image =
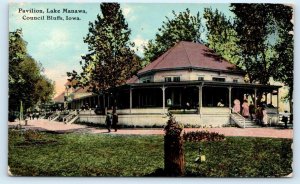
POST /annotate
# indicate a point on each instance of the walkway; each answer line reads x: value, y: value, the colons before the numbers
x: 60, y: 127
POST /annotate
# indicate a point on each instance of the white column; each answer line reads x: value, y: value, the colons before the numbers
x: 163, y: 96
x: 229, y: 95
x: 277, y: 101
x: 200, y: 98
x: 130, y: 99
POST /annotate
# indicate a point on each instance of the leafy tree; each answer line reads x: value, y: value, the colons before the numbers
x: 265, y: 42
x: 17, y: 52
x: 183, y: 27
x: 221, y: 35
x: 285, y: 49
x: 26, y: 83
x: 254, y: 26
x: 111, y: 60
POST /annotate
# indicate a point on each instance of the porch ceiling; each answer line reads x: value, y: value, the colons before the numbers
x: 204, y: 83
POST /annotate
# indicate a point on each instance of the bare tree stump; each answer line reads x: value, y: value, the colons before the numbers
x: 173, y: 149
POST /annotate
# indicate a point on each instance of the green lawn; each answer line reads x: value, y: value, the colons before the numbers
x: 74, y: 154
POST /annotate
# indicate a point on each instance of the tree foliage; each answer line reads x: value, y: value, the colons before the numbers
x: 110, y: 60
x: 285, y: 46
x: 257, y: 31
x: 183, y: 27
x: 221, y: 35
x: 284, y: 49
x: 26, y: 82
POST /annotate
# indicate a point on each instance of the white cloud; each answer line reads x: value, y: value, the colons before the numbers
x: 54, y: 42
x: 57, y: 39
x: 139, y: 44
x: 128, y: 13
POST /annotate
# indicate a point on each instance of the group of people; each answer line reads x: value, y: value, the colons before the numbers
x: 111, y: 121
x: 85, y: 107
x: 32, y: 115
x: 260, y: 112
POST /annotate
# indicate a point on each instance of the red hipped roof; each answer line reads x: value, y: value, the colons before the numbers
x: 60, y: 98
x: 189, y: 55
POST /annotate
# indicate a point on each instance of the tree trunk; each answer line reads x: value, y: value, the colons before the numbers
x: 291, y: 109
x: 174, y: 156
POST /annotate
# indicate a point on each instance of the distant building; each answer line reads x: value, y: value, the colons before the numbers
x: 59, y: 101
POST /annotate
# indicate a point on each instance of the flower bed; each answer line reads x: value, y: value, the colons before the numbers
x: 199, y: 136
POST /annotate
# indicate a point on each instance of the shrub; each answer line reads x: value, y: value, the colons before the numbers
x: 13, y: 115
x: 173, y: 128
x: 198, y: 136
x: 32, y: 135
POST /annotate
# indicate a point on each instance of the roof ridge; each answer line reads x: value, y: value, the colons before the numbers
x: 187, y: 54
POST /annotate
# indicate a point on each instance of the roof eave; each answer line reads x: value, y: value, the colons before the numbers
x: 189, y: 68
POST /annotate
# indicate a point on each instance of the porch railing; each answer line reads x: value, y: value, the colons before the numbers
x: 237, y: 120
x: 54, y: 116
x: 69, y: 117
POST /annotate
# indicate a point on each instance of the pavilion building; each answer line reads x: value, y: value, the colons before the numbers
x: 188, y: 80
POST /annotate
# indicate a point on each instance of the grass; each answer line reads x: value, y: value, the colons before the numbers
x: 44, y: 154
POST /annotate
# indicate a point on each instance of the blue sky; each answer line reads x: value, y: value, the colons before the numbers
x: 58, y: 44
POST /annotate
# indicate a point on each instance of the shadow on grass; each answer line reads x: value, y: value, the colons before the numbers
x: 63, y: 131
x: 36, y: 143
x: 160, y: 172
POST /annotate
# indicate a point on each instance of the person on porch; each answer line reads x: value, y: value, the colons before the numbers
x: 236, y: 106
x: 169, y: 102
x: 251, y: 110
x: 220, y: 103
x: 265, y: 118
x: 245, y: 107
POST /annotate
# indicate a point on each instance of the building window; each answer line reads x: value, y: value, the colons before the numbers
x: 218, y: 79
x: 168, y: 79
x: 235, y: 80
x: 176, y: 79
x: 200, y: 78
x: 172, y: 79
x: 147, y: 80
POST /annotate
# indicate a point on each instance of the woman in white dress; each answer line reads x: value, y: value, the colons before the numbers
x: 236, y: 106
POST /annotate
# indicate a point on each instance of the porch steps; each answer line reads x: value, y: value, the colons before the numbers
x: 242, y: 122
x: 72, y: 120
x: 55, y: 118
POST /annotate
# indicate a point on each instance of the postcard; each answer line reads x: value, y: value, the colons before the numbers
x: 151, y: 89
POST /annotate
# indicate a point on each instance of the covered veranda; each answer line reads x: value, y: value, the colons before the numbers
x: 193, y: 102
x: 193, y: 97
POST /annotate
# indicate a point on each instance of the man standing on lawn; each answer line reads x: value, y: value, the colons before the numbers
x: 115, y: 121
x: 108, y: 121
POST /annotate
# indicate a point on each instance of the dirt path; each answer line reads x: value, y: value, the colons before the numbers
x: 60, y: 127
